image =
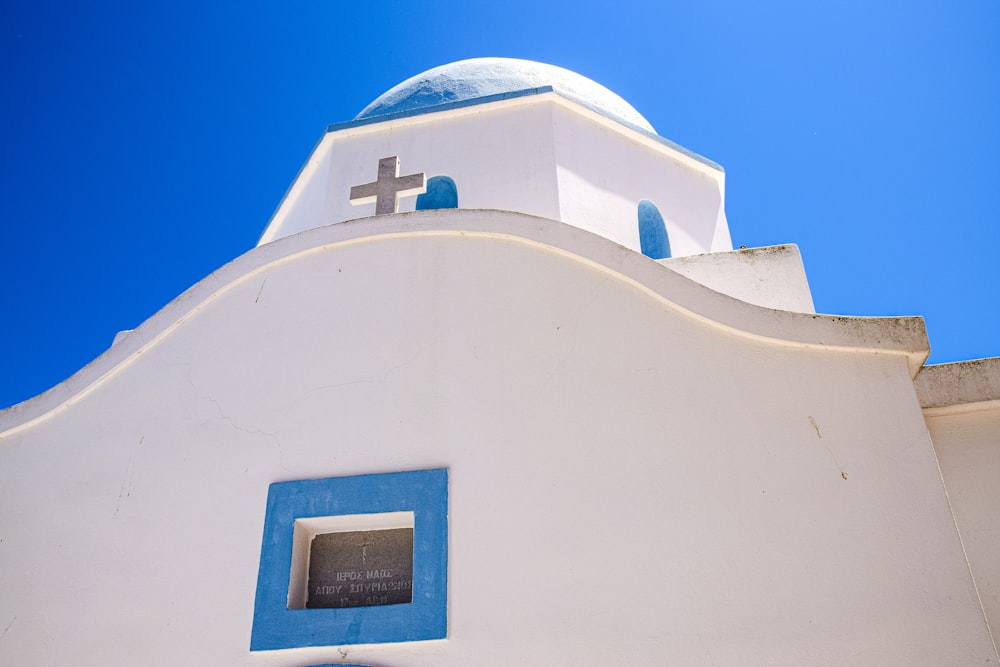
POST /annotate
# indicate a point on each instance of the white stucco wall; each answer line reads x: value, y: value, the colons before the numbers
x: 771, y: 277
x: 604, y: 173
x: 539, y: 154
x: 962, y: 408
x: 634, y: 479
x: 968, y: 447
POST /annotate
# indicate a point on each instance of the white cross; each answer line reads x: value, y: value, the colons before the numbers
x: 388, y: 187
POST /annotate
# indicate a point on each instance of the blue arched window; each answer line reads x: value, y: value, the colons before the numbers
x: 652, y: 231
x: 441, y: 193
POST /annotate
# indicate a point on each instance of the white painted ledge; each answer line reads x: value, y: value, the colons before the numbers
x: 960, y: 386
x: 772, y: 277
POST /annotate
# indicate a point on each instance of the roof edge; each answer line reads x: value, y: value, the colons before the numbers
x: 959, y: 386
x: 893, y: 335
x: 527, y: 92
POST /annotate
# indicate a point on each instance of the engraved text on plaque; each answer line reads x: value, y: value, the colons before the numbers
x: 361, y: 568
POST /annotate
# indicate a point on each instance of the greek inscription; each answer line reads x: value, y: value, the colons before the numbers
x: 386, y: 586
x: 361, y: 568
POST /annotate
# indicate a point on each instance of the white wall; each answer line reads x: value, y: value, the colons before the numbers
x: 962, y: 408
x: 603, y: 175
x: 771, y: 277
x: 541, y: 154
x: 968, y: 447
x: 631, y: 481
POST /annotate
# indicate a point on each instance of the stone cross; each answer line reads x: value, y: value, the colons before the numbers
x: 388, y: 187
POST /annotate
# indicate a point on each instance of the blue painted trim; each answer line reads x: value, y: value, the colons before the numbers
x: 653, y: 237
x: 441, y: 193
x: 424, y: 492
x: 448, y: 106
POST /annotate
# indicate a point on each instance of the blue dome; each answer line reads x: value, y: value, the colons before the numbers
x: 479, y: 77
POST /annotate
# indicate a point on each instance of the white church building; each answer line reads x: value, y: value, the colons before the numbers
x: 494, y: 388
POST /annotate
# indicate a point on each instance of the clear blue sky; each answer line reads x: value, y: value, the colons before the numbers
x: 147, y: 144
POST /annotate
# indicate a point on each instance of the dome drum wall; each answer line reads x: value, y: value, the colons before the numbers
x: 539, y: 154
x: 603, y: 176
x: 499, y: 158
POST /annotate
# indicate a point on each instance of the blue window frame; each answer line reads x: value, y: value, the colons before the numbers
x: 423, y: 492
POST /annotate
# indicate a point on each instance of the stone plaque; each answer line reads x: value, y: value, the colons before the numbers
x: 361, y: 569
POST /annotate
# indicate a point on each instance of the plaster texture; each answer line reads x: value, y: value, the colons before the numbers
x: 771, y: 277
x: 642, y: 470
x: 541, y: 154
x: 965, y: 385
